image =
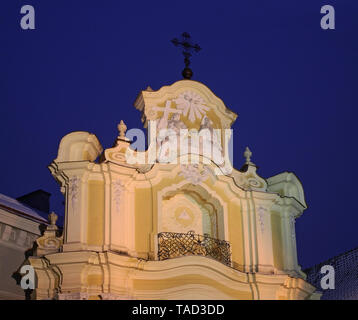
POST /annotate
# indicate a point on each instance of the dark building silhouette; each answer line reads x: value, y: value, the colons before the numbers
x: 20, y: 226
x: 38, y: 199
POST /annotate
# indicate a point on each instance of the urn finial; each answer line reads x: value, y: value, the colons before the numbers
x: 122, y: 128
x: 52, y: 218
x: 247, y: 155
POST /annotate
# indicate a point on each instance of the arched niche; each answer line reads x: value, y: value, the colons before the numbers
x: 187, y: 207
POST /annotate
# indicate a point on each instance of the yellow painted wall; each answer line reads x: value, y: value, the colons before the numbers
x: 236, y: 237
x: 277, y: 240
x: 190, y: 280
x: 143, y: 219
x: 95, y: 220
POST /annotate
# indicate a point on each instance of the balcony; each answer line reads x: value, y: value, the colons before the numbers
x: 173, y: 245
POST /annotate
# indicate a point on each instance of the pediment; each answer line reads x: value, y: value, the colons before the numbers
x: 190, y: 99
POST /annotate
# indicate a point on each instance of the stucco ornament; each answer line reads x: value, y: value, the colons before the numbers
x: 261, y: 215
x: 184, y: 215
x: 118, y: 188
x: 192, y: 105
x: 214, y: 139
x: 193, y: 173
x: 181, y: 221
x: 292, y: 227
x: 151, y: 114
x: 74, y: 190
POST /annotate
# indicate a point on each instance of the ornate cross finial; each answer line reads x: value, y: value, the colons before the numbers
x: 188, y: 49
x: 122, y: 128
x: 247, y: 155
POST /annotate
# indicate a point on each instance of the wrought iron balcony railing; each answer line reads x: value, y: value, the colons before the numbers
x: 172, y: 245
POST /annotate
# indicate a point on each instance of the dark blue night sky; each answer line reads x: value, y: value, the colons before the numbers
x: 293, y: 85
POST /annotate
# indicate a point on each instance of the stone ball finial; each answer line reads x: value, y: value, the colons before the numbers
x: 187, y: 73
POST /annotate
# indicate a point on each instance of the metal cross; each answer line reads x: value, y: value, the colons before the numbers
x: 188, y: 48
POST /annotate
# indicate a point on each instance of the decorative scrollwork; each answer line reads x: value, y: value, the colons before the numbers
x: 74, y: 187
x: 193, y: 173
x: 172, y: 245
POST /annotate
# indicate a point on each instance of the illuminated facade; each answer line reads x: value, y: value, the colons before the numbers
x: 185, y: 230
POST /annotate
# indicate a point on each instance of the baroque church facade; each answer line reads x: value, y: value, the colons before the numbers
x: 193, y: 228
